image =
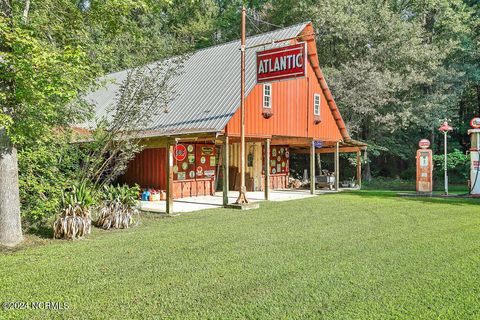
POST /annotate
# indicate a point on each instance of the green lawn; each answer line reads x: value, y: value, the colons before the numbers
x: 364, y: 255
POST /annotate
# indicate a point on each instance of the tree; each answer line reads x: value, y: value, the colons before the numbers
x: 10, y: 224
x: 38, y: 84
x: 396, y: 68
x: 54, y: 61
x: 146, y: 90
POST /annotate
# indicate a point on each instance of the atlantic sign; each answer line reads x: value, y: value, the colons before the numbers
x: 281, y: 63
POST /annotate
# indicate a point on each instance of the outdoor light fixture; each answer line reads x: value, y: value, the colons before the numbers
x: 445, y: 128
x: 267, y: 113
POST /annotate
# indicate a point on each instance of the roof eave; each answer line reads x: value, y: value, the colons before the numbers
x: 309, y: 37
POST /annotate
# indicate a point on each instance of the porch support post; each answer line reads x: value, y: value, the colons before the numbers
x: 337, y: 165
x: 359, y: 168
x: 169, y: 165
x: 312, y: 167
x: 266, y: 169
x: 225, y: 165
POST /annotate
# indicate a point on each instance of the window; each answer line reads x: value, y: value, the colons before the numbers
x: 267, y: 101
x: 267, y: 95
x: 316, y: 104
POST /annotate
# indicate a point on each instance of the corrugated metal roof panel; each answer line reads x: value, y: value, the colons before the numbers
x: 207, y: 90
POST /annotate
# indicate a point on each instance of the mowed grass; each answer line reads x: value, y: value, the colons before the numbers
x: 364, y: 255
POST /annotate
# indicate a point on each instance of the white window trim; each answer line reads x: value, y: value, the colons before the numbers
x: 269, y: 85
x: 315, y: 95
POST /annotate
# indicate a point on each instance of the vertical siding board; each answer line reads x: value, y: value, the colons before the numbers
x: 147, y: 169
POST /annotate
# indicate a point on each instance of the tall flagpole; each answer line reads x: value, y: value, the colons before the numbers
x: 242, y: 197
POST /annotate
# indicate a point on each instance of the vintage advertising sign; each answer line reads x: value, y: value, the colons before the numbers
x: 424, y: 144
x: 205, y: 161
x: 281, y: 63
x: 184, y: 155
x: 475, y: 123
x: 180, y: 152
x: 279, y: 159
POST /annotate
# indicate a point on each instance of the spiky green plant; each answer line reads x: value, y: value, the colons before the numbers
x: 118, y: 207
x: 75, y: 220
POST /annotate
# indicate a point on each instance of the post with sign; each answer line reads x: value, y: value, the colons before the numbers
x: 474, y: 183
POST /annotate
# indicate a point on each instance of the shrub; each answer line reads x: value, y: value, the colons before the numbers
x: 75, y: 217
x: 118, y: 207
x: 458, y: 165
x: 46, y: 169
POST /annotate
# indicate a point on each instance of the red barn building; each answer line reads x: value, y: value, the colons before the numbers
x: 202, y: 125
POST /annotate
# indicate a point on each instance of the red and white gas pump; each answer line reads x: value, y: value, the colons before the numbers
x: 424, y: 167
x: 474, y: 133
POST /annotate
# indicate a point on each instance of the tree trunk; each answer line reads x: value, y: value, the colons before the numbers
x: 367, y: 174
x: 10, y: 223
x: 478, y: 100
x: 26, y: 9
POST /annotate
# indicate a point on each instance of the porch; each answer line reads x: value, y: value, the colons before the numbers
x: 216, y: 201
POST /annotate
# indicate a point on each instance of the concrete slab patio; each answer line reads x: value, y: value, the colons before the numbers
x: 209, y: 202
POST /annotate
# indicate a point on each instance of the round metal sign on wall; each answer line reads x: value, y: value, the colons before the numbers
x: 424, y: 144
x: 475, y: 123
x: 180, y: 152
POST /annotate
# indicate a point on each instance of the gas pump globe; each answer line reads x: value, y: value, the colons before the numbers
x: 424, y: 167
x: 474, y: 183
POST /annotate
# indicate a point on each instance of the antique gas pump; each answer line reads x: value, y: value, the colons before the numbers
x: 474, y: 133
x: 424, y: 167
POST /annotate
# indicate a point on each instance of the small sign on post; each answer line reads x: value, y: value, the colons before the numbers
x: 318, y: 144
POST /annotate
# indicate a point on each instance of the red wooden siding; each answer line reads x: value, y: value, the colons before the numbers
x: 193, y: 188
x: 292, y: 107
x: 327, y: 129
x: 147, y: 169
x: 278, y: 181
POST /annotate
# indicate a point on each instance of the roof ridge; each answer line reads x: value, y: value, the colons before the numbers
x: 191, y: 53
x: 252, y: 37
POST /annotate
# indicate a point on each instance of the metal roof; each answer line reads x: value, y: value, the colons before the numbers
x: 207, y: 92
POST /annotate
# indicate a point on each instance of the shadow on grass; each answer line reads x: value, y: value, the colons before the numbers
x: 383, y: 194
x: 30, y: 240
x: 43, y: 231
